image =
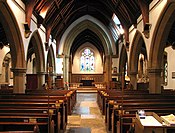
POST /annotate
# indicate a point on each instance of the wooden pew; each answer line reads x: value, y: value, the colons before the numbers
x: 104, y: 96
x: 117, y: 96
x: 33, y: 109
x: 30, y: 102
x: 58, y: 104
x: 26, y: 123
x: 162, y: 107
x: 124, y: 121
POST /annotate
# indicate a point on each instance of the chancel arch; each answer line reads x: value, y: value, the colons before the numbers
x: 106, y: 43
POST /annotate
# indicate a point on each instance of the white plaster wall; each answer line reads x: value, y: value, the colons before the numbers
x: 171, y: 68
x: 19, y: 13
x: 3, y: 52
x: 98, y: 60
x: 18, y: 9
x: 30, y: 65
x: 155, y: 8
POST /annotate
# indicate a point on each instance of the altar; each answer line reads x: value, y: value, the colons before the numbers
x: 87, y: 82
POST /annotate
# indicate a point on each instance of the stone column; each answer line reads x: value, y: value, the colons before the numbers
x: 41, y: 79
x: 133, y: 79
x: 108, y: 70
x: 19, y: 80
x: 154, y: 80
x: 66, y: 69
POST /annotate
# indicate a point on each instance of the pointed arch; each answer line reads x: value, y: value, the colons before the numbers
x: 123, y: 59
x: 13, y: 35
x: 14, y: 38
x: 51, y: 59
x: 160, y: 35
x: 87, y: 22
x: 38, y: 50
x: 158, y: 43
x: 135, y: 51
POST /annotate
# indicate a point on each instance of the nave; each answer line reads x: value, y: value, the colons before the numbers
x: 86, y: 116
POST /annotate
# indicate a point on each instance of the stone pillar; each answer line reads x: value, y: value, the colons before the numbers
x: 41, y: 79
x: 133, y: 79
x: 19, y: 80
x: 108, y: 70
x: 66, y: 69
x: 70, y: 69
x: 154, y: 80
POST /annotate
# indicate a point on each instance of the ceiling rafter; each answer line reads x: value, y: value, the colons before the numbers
x: 130, y: 15
x: 61, y: 13
x: 145, y: 11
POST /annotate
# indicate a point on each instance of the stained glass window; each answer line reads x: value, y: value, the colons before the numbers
x: 87, y: 61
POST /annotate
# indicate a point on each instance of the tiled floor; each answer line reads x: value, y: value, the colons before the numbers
x: 86, y: 116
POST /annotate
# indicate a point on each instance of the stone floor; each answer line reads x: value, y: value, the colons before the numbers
x: 86, y: 116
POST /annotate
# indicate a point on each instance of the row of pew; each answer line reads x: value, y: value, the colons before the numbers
x: 45, y: 112
x: 120, y: 107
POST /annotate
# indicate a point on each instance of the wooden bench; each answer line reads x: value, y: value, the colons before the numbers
x: 127, y: 110
x: 37, y: 105
x: 104, y: 96
x: 29, y: 109
x: 113, y: 95
x: 26, y: 123
x: 123, y: 121
x: 34, y: 105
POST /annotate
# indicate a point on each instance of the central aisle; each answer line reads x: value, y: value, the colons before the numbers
x: 86, y: 116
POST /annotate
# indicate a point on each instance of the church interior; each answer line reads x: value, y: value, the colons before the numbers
x: 87, y: 66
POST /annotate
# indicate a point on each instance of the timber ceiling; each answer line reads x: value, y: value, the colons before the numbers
x: 61, y: 13
x: 57, y: 15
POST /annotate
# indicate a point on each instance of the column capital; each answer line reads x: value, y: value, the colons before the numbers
x: 18, y: 70
x: 66, y: 56
x: 41, y: 73
x: 132, y: 73
x: 108, y: 56
x: 154, y: 70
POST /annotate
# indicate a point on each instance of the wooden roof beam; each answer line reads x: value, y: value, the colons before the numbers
x: 144, y: 6
x: 29, y: 10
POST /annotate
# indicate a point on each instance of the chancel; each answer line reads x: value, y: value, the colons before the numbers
x: 87, y: 66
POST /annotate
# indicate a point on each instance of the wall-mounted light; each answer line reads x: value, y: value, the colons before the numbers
x: 173, y: 45
x: 46, y: 45
x: 146, y: 30
x: 127, y: 45
x: 1, y: 45
x: 27, y: 30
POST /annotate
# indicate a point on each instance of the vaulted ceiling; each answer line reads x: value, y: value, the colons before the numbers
x: 57, y: 15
